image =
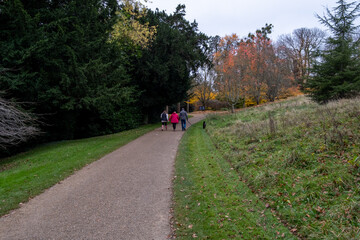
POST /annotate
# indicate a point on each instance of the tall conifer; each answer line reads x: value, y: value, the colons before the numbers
x: 337, y: 73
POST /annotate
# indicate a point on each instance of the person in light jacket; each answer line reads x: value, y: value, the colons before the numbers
x: 174, y: 119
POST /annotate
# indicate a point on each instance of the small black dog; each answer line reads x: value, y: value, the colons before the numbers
x: 204, y: 125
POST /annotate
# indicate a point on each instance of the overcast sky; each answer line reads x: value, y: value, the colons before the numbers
x: 224, y: 17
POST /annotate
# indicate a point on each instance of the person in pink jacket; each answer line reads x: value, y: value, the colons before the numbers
x: 174, y: 119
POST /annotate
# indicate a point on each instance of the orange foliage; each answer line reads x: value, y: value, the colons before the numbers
x: 253, y: 66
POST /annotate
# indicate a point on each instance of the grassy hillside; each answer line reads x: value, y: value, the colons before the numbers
x: 28, y: 174
x: 301, y: 159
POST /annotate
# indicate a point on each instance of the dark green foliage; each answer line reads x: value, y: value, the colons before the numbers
x: 60, y: 57
x: 57, y: 55
x: 337, y: 74
x: 165, y: 70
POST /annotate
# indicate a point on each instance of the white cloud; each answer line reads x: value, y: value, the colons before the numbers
x: 221, y: 17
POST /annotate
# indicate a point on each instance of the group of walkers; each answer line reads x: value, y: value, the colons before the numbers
x: 174, y: 119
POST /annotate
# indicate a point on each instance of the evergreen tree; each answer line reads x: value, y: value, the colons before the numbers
x: 165, y: 71
x: 57, y: 55
x: 337, y: 74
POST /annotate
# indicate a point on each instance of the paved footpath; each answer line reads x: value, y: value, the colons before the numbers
x: 124, y: 195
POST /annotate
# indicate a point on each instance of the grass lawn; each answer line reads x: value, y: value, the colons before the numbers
x: 28, y: 174
x: 211, y: 201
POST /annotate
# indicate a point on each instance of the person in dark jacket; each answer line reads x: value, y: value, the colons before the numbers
x: 183, y: 118
x: 164, y: 119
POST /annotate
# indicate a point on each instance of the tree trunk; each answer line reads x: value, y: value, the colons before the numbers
x: 146, y: 118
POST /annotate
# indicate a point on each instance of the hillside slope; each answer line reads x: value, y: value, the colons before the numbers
x: 301, y: 159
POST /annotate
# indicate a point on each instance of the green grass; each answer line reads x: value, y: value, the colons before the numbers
x: 211, y: 201
x: 301, y: 159
x: 28, y: 174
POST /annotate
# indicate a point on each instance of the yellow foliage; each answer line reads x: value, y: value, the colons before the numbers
x: 213, y: 96
x: 192, y: 100
x: 195, y: 96
x: 293, y: 91
x: 251, y: 102
x: 129, y: 26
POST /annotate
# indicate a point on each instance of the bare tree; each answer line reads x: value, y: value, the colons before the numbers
x: 278, y: 74
x: 203, y: 89
x: 204, y: 82
x: 300, y: 46
x: 16, y: 126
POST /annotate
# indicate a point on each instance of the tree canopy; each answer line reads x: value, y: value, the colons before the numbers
x: 251, y: 69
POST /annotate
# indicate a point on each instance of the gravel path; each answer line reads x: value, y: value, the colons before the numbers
x: 124, y: 195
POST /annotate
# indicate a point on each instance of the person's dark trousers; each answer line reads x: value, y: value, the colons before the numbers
x: 183, y: 124
x: 174, y: 126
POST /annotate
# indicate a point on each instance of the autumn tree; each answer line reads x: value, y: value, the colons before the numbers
x: 230, y: 83
x: 230, y: 71
x: 300, y: 47
x: 337, y: 74
x: 257, y: 46
x: 251, y: 68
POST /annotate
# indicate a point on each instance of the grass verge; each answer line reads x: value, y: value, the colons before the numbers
x: 210, y: 200
x: 28, y: 174
x: 301, y: 159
